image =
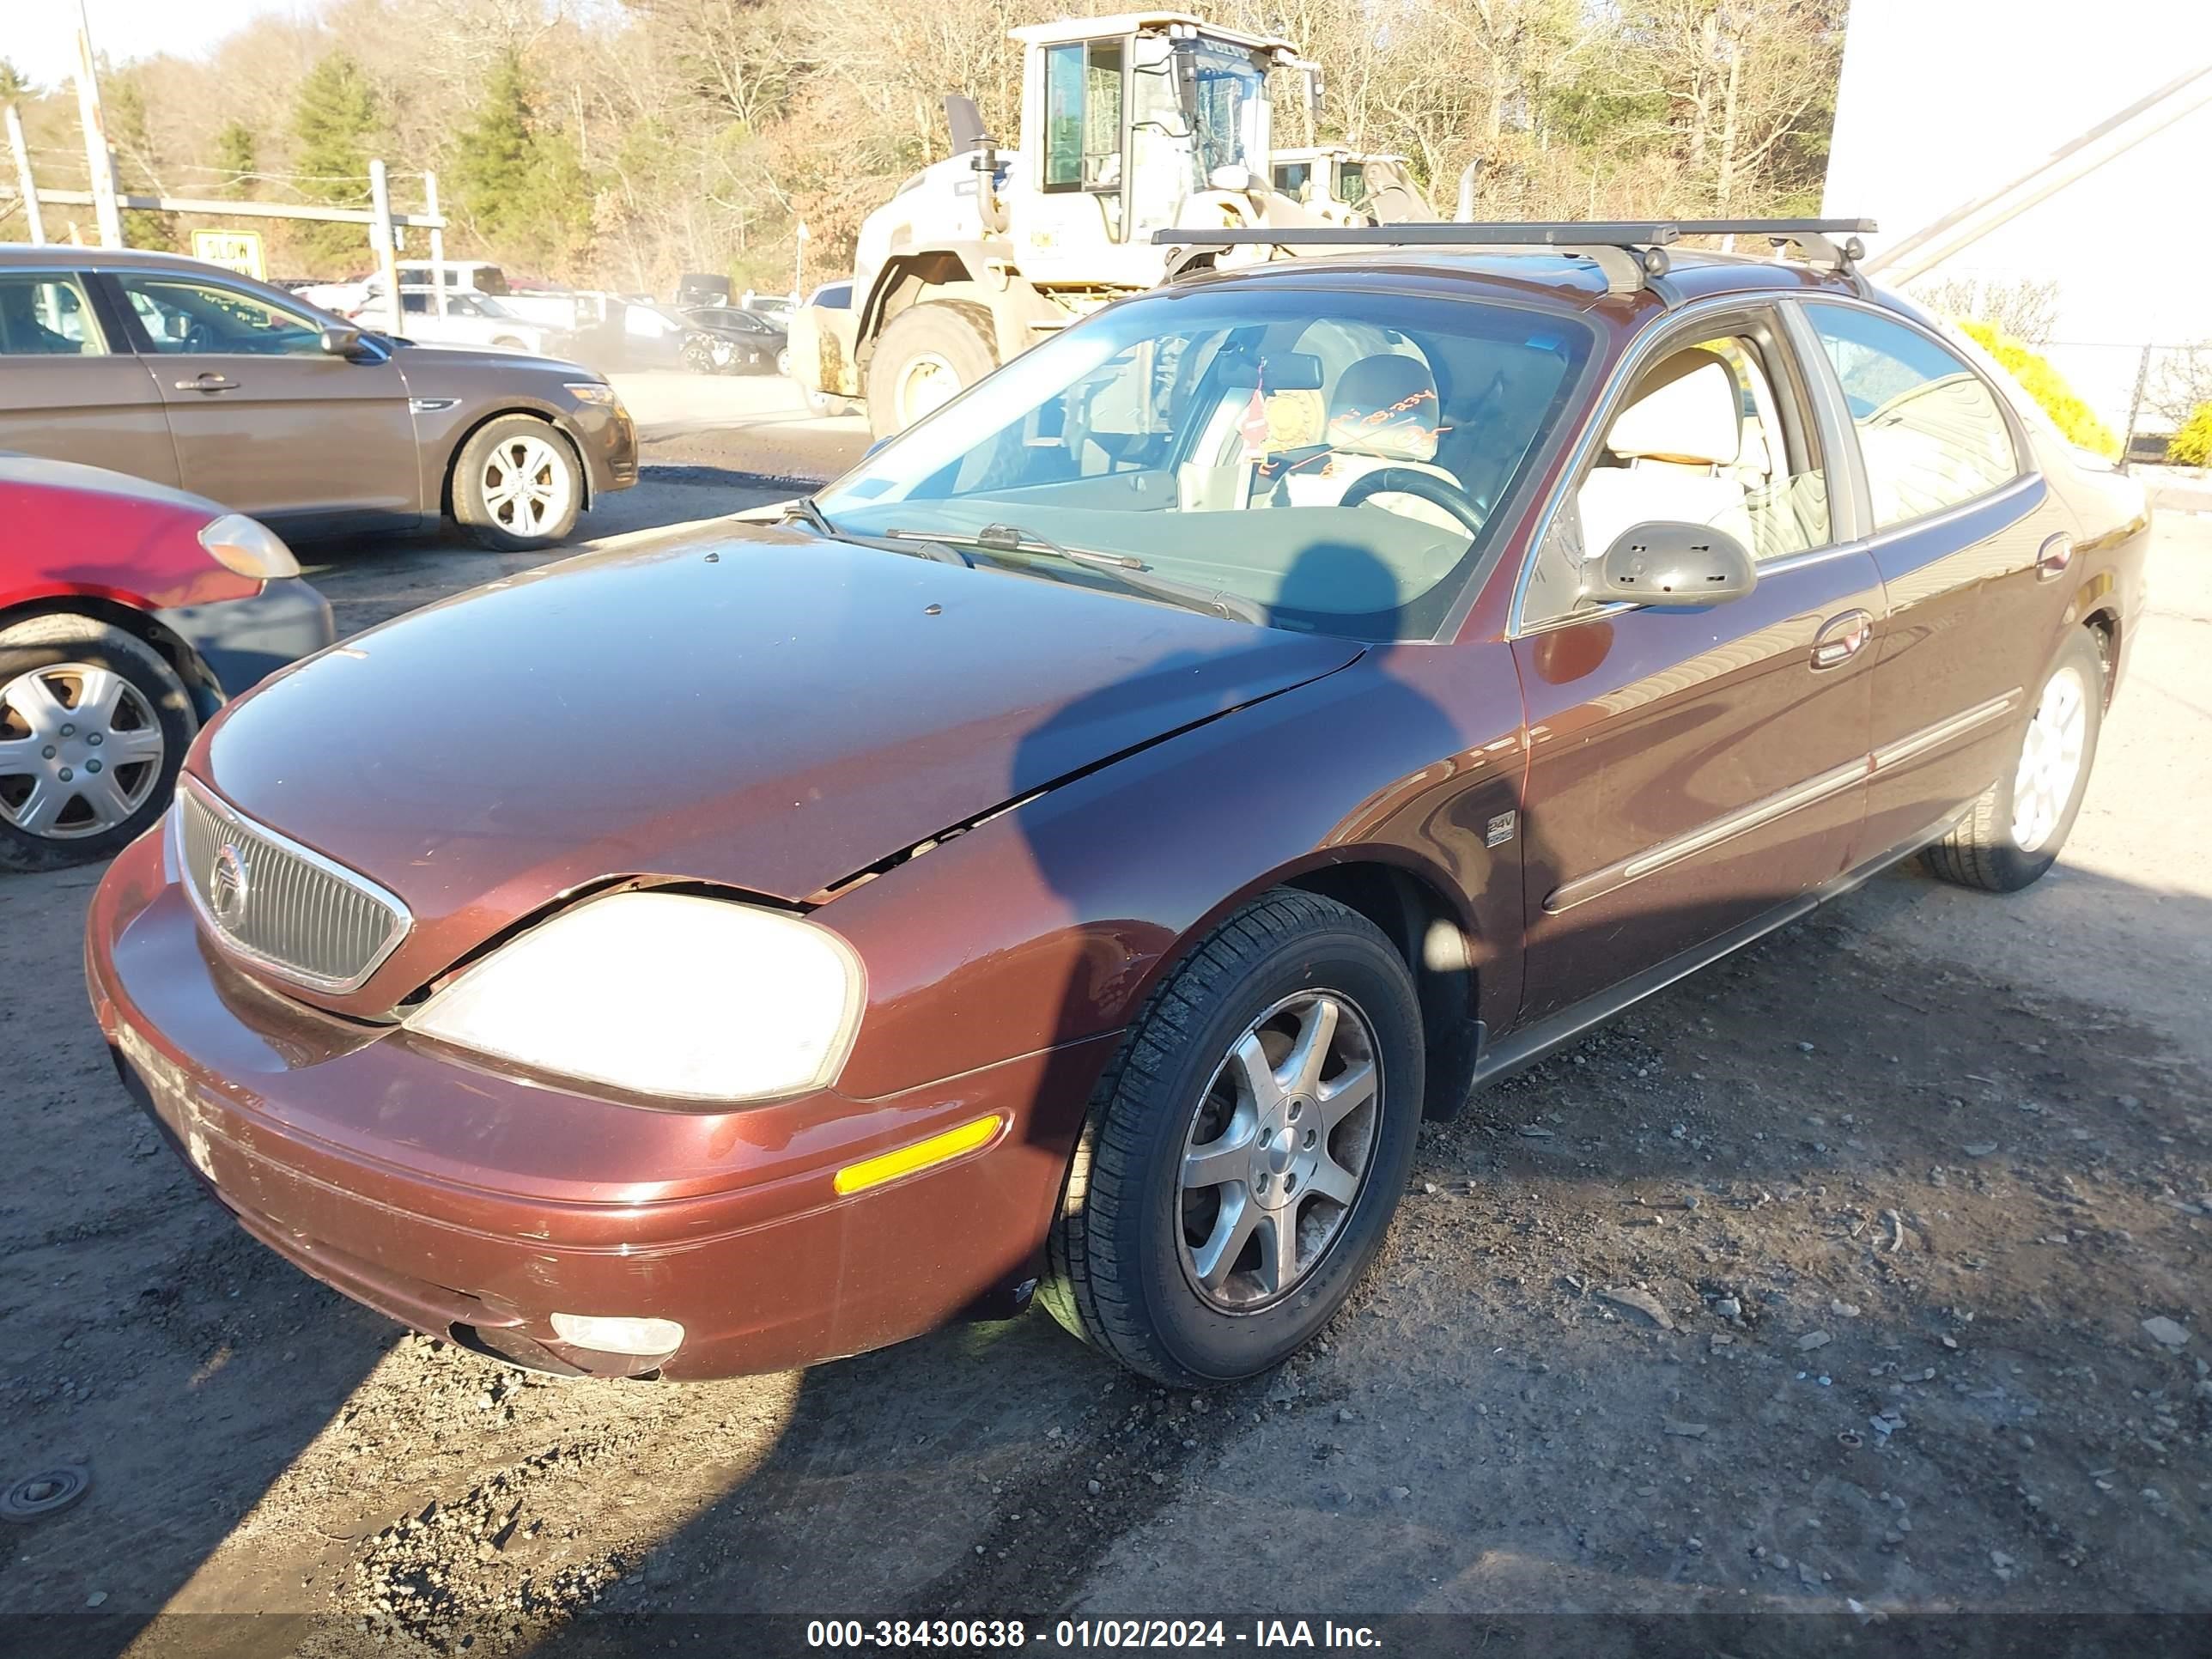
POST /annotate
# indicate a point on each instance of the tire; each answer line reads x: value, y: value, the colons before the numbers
x: 539, y: 451
x: 951, y: 338
x: 2008, y: 840
x: 48, y: 666
x: 783, y: 363
x: 1130, y: 1243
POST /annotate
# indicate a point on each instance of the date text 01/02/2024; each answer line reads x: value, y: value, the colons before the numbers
x: 1084, y: 1634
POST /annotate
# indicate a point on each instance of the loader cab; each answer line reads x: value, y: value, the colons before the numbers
x: 1321, y: 176
x: 1126, y: 119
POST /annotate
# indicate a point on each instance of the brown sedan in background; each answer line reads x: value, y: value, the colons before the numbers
x: 195, y: 377
x: 1080, y: 846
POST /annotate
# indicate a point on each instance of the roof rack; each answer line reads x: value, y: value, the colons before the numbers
x: 1630, y: 252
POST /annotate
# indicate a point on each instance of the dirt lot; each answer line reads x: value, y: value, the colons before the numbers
x: 1819, y: 1284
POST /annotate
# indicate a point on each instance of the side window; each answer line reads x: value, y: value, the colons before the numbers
x: 415, y: 305
x: 182, y: 314
x: 1083, y: 117
x: 1713, y: 432
x: 1930, y: 429
x: 44, y: 316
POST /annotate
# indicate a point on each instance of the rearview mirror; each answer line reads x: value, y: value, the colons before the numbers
x: 1274, y: 371
x: 341, y: 339
x: 1668, y: 563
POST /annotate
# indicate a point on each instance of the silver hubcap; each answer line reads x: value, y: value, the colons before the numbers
x: 2050, y: 760
x: 1278, y: 1150
x: 926, y: 386
x: 80, y: 751
x: 526, y: 485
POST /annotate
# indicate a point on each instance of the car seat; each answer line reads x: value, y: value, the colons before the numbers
x: 1673, y: 455
x: 1382, y: 413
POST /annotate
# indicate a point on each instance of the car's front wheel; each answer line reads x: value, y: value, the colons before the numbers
x: 518, y: 485
x: 2015, y: 832
x: 94, y: 725
x: 1244, y: 1154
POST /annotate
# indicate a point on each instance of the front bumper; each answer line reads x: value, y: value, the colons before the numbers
x: 474, y: 1205
x: 244, y: 642
x: 606, y: 437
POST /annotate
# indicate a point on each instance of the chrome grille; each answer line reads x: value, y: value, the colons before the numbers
x: 279, y: 905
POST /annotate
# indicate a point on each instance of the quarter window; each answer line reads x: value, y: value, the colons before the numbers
x: 46, y: 317
x: 1930, y: 428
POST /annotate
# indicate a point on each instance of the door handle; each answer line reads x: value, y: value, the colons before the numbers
x: 1841, y: 638
x: 2053, y: 557
x: 209, y: 381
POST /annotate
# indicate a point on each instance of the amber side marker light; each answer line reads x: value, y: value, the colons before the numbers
x: 938, y: 1149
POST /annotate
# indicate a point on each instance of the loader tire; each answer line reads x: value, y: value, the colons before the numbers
x: 928, y: 356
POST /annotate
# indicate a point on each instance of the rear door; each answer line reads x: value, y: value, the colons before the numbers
x: 69, y: 389
x: 1692, y: 769
x: 263, y: 420
x: 1968, y: 540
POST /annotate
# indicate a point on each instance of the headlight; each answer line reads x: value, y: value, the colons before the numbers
x: 592, y: 391
x: 249, y: 547
x: 663, y: 993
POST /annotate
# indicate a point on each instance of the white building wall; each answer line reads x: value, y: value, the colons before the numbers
x: 1944, y: 101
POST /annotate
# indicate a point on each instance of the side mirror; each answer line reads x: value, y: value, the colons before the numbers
x: 1671, y: 564
x: 341, y: 339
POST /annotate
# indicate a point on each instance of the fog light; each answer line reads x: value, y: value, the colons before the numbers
x: 603, y: 1335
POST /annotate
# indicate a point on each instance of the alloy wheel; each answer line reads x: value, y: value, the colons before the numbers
x: 526, y: 485
x: 81, y: 750
x: 1278, y: 1150
x: 2050, y: 760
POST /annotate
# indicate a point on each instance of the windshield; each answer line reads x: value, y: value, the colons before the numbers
x: 1361, y: 440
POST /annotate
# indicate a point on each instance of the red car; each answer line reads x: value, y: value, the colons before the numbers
x: 1079, y: 847
x: 129, y: 613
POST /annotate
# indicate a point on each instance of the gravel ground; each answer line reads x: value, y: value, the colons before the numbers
x: 1866, y: 1271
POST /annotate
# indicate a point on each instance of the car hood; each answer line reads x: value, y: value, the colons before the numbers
x: 438, y: 358
x: 765, y: 710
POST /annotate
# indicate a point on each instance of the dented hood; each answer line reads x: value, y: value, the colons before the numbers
x: 765, y: 710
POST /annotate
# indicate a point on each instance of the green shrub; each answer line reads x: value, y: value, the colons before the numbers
x: 2073, y: 417
x: 2192, y: 445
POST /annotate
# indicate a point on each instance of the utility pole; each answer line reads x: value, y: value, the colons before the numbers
x: 379, y: 236
x: 437, y: 244
x: 23, y: 175
x: 798, y: 266
x: 97, y: 160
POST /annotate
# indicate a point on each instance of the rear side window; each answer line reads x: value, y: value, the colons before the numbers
x: 1930, y: 428
x: 45, y: 316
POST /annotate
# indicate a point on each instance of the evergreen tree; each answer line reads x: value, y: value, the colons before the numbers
x: 235, y: 153
x: 14, y: 84
x: 520, y: 183
x: 334, y: 119
x: 137, y: 164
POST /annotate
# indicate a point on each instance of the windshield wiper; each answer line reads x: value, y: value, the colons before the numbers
x: 805, y: 506
x: 809, y: 511
x: 1132, y: 573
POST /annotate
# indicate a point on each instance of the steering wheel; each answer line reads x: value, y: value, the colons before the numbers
x: 1422, y: 486
x: 199, y: 339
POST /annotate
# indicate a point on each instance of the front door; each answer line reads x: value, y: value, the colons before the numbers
x: 264, y: 420
x: 1969, y: 544
x: 69, y: 389
x: 1691, y: 769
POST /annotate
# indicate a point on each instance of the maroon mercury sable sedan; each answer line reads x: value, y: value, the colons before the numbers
x: 1078, y: 848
